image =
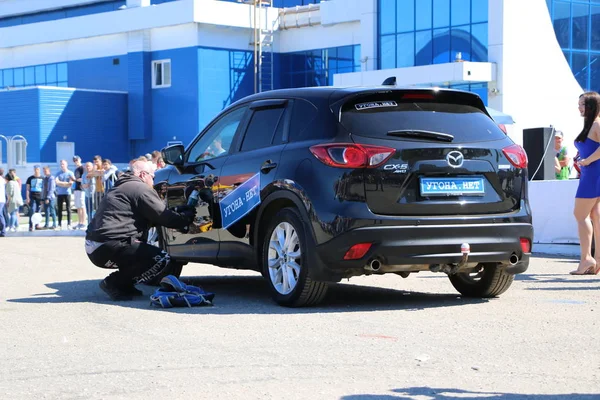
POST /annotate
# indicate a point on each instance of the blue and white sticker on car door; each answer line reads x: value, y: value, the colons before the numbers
x: 240, y: 201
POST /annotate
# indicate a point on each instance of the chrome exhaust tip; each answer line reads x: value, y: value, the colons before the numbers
x: 514, y: 259
x: 374, y: 265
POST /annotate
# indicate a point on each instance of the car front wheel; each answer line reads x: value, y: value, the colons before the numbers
x: 284, y: 260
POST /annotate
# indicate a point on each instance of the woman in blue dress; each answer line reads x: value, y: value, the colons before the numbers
x: 587, y: 199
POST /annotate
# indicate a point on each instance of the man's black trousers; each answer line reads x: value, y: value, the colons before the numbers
x: 64, y: 198
x: 136, y: 261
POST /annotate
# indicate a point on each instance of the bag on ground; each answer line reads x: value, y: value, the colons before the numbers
x: 174, y: 293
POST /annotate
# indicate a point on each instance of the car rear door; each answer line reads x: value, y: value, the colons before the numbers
x: 449, y: 157
x: 196, y: 182
x: 246, y: 176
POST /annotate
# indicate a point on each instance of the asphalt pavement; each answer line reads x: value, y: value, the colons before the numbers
x: 380, y: 337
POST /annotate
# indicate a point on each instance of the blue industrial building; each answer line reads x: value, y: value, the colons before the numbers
x: 120, y: 78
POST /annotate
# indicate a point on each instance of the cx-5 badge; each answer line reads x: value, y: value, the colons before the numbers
x: 455, y: 159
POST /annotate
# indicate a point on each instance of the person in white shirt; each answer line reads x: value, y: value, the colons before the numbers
x: 2, y: 203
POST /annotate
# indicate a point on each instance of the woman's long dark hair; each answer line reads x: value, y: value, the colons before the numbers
x: 591, y: 103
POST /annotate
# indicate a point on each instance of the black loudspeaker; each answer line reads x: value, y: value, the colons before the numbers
x: 535, y: 142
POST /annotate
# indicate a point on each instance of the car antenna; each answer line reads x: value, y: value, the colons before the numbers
x: 391, y: 81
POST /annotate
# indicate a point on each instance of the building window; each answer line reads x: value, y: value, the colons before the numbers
x: 577, y: 28
x: 161, y: 73
x: 41, y: 75
x: 424, y: 32
x: 317, y: 67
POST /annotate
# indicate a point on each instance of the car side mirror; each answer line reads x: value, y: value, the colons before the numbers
x: 173, y: 155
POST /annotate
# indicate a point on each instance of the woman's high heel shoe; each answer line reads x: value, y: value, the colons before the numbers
x: 595, y: 270
x: 586, y: 269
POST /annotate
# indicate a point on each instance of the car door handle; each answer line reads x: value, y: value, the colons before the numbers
x: 267, y: 166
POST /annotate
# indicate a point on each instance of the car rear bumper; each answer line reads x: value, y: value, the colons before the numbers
x: 411, y: 248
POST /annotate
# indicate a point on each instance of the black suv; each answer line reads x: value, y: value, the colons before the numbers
x: 309, y: 186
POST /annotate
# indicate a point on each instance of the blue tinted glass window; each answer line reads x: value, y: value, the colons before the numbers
x: 345, y: 52
x: 567, y: 55
x: 581, y: 15
x: 388, y: 52
x: 51, y: 73
x: 62, y: 84
x: 424, y: 14
x: 405, y: 15
x: 441, y: 46
x: 61, y: 70
x: 29, y: 76
x: 406, y: 50
x: 433, y: 42
x: 562, y: 24
x: 461, y: 12
x: 423, y: 48
x: 441, y: 13
x: 387, y: 17
x: 479, y: 42
x: 18, y: 78
x: 479, y: 11
x: 356, y: 57
x: 595, y: 73
x: 461, y: 43
x: 1, y: 79
x: 8, y: 77
x: 580, y: 69
x: 40, y: 75
x: 595, y: 28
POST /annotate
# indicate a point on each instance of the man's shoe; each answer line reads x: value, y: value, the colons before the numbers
x: 114, y: 292
x: 133, y: 291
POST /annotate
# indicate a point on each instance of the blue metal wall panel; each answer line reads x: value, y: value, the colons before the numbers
x: 96, y: 122
x: 140, y: 101
x: 174, y: 109
x: 99, y: 73
x: 19, y: 115
x: 224, y: 76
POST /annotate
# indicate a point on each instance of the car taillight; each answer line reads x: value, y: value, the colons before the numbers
x: 349, y: 155
x: 525, y: 245
x: 516, y: 155
x: 357, y: 251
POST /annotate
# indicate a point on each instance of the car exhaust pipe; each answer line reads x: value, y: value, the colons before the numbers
x: 514, y: 259
x: 374, y: 265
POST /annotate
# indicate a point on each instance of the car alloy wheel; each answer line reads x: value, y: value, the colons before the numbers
x: 283, y: 258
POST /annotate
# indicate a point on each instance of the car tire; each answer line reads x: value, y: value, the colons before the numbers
x: 173, y: 268
x: 284, y: 262
x: 490, y: 280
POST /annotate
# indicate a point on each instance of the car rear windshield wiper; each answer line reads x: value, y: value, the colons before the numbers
x: 421, y: 134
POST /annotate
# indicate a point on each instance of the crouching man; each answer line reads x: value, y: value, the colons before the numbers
x: 116, y: 236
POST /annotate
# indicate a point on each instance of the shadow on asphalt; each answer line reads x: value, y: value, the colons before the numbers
x: 547, y: 282
x: 250, y: 295
x: 440, y: 393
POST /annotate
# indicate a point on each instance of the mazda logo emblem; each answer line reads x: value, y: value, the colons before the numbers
x: 455, y: 159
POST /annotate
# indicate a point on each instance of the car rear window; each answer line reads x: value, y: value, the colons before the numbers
x: 376, y: 117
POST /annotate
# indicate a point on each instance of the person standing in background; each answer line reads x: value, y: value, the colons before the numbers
x: 49, y: 198
x: 88, y: 183
x: 98, y: 175
x: 2, y: 203
x: 64, y: 181
x: 14, y: 200
x: 33, y: 194
x: 562, y: 159
x: 587, y: 198
x: 79, y: 193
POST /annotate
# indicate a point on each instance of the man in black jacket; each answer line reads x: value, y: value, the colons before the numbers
x: 116, y: 236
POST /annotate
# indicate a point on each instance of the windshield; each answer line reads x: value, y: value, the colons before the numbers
x: 465, y: 123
